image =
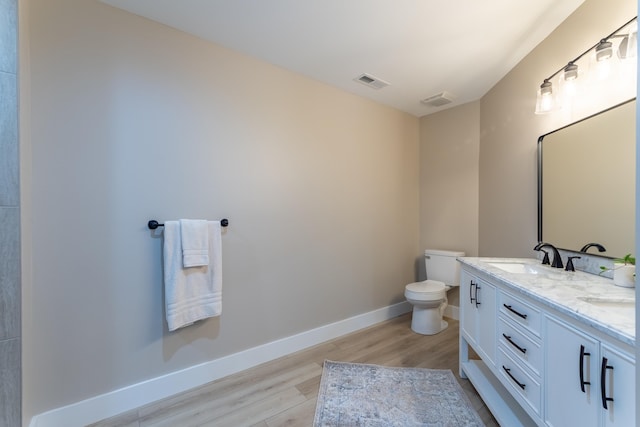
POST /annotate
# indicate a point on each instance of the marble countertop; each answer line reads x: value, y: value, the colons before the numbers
x: 590, y: 299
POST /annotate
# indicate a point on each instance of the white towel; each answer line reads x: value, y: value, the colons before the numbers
x: 195, y: 293
x: 195, y: 242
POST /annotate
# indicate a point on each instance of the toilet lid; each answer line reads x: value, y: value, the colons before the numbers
x: 427, y: 290
x: 427, y: 287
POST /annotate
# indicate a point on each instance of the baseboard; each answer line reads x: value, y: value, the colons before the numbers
x: 136, y: 395
x: 452, y: 312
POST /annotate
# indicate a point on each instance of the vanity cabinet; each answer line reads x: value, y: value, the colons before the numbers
x: 478, y: 319
x: 591, y: 383
x: 620, y: 385
x: 520, y: 350
x: 539, y: 366
x: 572, y: 361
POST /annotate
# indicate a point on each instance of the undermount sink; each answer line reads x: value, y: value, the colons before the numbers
x: 621, y: 305
x: 519, y: 268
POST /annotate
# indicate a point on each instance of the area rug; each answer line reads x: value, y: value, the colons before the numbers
x: 354, y: 395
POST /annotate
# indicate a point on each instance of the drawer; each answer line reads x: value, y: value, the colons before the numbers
x: 521, y: 313
x: 522, y: 385
x: 519, y: 346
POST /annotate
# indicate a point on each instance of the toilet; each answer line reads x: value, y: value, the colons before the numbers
x: 429, y: 297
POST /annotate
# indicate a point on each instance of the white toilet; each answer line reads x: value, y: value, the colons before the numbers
x: 429, y: 298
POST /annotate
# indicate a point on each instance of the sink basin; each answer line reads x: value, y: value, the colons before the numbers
x: 624, y: 306
x: 519, y: 268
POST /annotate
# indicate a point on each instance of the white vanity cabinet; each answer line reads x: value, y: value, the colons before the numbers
x: 620, y: 385
x: 571, y: 371
x: 542, y: 364
x: 520, y: 350
x: 583, y: 374
x: 479, y: 328
x: 478, y: 317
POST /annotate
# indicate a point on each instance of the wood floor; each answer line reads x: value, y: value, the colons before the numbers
x: 283, y: 392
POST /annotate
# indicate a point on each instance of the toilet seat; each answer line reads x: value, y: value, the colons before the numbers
x: 428, y: 290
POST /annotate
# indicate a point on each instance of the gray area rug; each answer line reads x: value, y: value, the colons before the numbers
x: 353, y: 394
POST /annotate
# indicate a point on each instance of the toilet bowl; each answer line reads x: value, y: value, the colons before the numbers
x: 429, y: 297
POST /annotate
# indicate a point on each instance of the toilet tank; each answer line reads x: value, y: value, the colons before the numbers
x: 442, y: 266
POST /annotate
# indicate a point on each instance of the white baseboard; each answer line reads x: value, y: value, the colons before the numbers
x: 136, y: 395
x: 452, y: 312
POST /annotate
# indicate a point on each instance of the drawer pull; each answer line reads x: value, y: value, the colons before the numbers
x: 508, y: 338
x: 582, y: 381
x: 471, y: 298
x: 508, y: 371
x: 508, y: 307
x: 603, y: 387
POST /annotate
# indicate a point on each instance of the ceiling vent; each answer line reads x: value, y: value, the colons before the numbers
x: 372, y: 82
x: 439, y: 100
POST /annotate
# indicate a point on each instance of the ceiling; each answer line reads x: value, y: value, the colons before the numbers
x: 420, y: 47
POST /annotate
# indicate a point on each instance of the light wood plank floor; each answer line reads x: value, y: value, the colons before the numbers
x: 283, y: 392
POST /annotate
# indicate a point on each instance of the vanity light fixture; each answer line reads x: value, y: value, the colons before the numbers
x: 549, y: 99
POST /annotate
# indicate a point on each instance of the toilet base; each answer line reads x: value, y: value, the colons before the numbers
x: 427, y: 321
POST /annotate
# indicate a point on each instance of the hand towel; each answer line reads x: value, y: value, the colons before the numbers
x: 194, y: 293
x: 195, y: 242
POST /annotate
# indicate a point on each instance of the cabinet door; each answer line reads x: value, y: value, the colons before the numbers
x: 619, y: 385
x: 486, y: 321
x: 468, y: 291
x: 571, y: 377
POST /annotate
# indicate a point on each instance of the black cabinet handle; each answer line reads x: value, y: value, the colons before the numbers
x: 508, y: 338
x: 582, y: 381
x: 508, y: 307
x: 603, y: 386
x: 508, y: 371
x: 477, y: 287
x: 471, y: 299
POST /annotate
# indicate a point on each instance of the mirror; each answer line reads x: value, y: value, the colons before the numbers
x: 586, y: 183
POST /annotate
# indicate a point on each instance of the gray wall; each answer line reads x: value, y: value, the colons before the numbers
x: 449, y: 150
x: 131, y: 120
x: 10, y: 333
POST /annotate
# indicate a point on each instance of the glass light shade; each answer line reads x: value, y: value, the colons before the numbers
x: 570, y: 72
x: 629, y: 44
x: 545, y: 101
x: 568, y: 81
x: 600, y: 68
x: 604, y: 50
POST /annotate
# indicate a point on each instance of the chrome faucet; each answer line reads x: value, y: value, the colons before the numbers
x: 557, y: 259
x: 597, y: 245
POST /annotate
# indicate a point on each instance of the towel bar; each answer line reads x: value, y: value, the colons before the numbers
x: 153, y: 224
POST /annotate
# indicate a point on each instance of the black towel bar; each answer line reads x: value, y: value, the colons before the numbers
x: 153, y: 224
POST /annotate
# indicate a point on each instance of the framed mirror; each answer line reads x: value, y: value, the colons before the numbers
x: 586, y: 183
